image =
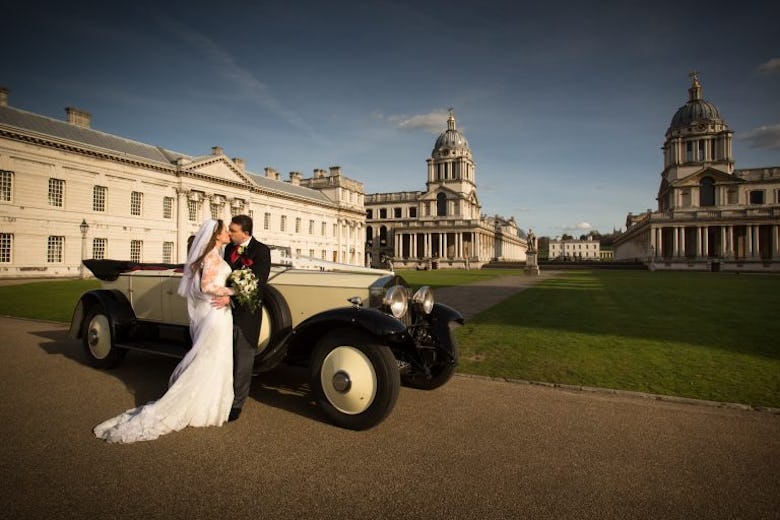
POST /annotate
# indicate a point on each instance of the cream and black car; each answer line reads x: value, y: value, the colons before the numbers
x: 361, y: 332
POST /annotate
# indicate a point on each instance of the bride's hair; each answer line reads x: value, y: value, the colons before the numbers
x: 212, y: 242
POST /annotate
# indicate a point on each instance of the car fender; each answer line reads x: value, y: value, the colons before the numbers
x: 385, y: 328
x: 114, y: 304
x: 441, y: 318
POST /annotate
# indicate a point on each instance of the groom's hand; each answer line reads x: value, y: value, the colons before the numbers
x: 219, y: 302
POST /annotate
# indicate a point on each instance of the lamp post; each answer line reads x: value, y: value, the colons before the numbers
x: 83, y: 227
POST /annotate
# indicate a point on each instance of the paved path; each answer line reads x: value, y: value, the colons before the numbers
x: 471, y: 299
x: 474, y: 448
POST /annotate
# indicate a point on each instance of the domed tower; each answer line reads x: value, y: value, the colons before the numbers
x: 451, y: 174
x: 697, y: 138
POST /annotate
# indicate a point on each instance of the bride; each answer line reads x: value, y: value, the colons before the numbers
x: 200, y: 390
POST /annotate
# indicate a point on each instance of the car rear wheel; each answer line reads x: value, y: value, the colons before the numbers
x: 99, y: 343
x: 354, y: 379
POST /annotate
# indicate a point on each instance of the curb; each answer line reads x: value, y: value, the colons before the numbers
x: 628, y: 393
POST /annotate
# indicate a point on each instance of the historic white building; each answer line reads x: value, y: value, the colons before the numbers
x: 442, y: 225
x: 575, y: 249
x: 710, y: 216
x: 68, y: 192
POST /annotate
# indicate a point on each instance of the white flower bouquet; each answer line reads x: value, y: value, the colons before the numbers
x: 244, y: 282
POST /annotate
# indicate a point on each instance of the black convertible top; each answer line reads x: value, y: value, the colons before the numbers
x: 109, y: 270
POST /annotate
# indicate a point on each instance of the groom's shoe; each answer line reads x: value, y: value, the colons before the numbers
x: 235, y: 413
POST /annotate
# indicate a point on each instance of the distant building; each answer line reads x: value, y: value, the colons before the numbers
x: 588, y: 249
x: 710, y: 216
x: 442, y: 225
x: 68, y: 192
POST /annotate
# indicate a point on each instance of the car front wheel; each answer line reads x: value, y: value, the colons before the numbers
x: 99, y: 343
x: 354, y: 379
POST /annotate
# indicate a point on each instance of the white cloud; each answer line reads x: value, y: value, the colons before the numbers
x: 770, y: 66
x: 433, y: 122
x: 766, y: 137
x: 235, y: 74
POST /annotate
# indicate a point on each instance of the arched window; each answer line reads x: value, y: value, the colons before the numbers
x: 707, y: 192
x: 369, y: 236
x: 383, y: 236
x: 441, y: 205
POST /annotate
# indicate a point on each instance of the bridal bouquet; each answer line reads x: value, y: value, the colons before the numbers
x: 244, y: 282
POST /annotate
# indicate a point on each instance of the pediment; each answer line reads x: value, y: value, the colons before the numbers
x: 718, y: 176
x: 432, y: 194
x: 220, y: 168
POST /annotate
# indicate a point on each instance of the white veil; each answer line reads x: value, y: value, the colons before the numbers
x: 190, y: 284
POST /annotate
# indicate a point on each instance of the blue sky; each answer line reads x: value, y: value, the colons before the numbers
x: 564, y: 104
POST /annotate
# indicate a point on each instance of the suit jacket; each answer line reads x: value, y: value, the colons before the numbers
x: 257, y: 257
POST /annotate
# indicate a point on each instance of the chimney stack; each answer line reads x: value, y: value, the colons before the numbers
x: 335, y: 171
x: 216, y: 150
x: 4, y: 96
x: 240, y: 163
x: 295, y: 178
x: 270, y: 173
x: 78, y: 117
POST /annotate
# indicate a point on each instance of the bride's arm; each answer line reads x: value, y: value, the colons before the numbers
x: 208, y: 278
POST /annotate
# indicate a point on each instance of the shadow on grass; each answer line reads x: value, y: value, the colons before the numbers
x: 145, y: 376
x: 717, y: 310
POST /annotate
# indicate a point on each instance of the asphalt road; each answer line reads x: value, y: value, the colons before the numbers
x: 475, y: 448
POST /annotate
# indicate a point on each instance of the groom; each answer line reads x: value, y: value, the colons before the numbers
x: 244, y: 251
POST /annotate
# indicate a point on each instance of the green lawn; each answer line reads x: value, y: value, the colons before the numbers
x: 53, y: 300
x: 702, y: 335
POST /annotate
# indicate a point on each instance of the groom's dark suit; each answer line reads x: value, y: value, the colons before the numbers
x: 246, y: 324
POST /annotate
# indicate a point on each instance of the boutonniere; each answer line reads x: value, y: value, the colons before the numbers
x: 241, y: 250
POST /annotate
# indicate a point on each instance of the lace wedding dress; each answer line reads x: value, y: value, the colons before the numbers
x: 200, y: 389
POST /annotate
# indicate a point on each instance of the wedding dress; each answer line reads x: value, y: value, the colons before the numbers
x: 200, y: 389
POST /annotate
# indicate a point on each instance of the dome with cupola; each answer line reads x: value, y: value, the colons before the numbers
x: 451, y: 141
x: 697, y: 112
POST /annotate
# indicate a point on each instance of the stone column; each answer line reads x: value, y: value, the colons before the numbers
x: 676, y: 249
x: 705, y: 247
x: 182, y: 219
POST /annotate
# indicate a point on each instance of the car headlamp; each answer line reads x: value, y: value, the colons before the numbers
x: 395, y: 300
x: 423, y: 299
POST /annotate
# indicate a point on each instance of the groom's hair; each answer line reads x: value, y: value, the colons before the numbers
x: 244, y: 221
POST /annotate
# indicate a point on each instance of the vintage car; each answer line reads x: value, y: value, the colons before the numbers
x: 361, y: 332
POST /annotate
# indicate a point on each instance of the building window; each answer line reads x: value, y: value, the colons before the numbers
x: 192, y: 209
x: 99, y: 198
x: 56, y: 191
x: 311, y: 229
x: 167, y: 252
x: 689, y: 151
x: 441, y: 205
x: 99, y: 248
x: 777, y: 196
x: 216, y: 210
x: 136, y: 248
x: 136, y: 199
x: 396, y: 212
x: 757, y: 197
x: 6, y: 246
x: 283, y: 223
x: 707, y: 192
x: 383, y: 213
x: 55, y: 247
x: 6, y: 185
x: 732, y: 196
x: 267, y: 221
x: 413, y: 212
x: 297, y: 225
x: 324, y: 229
x: 167, y: 207
x: 324, y: 254
x: 369, y: 213
x: 311, y: 253
x: 297, y: 252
